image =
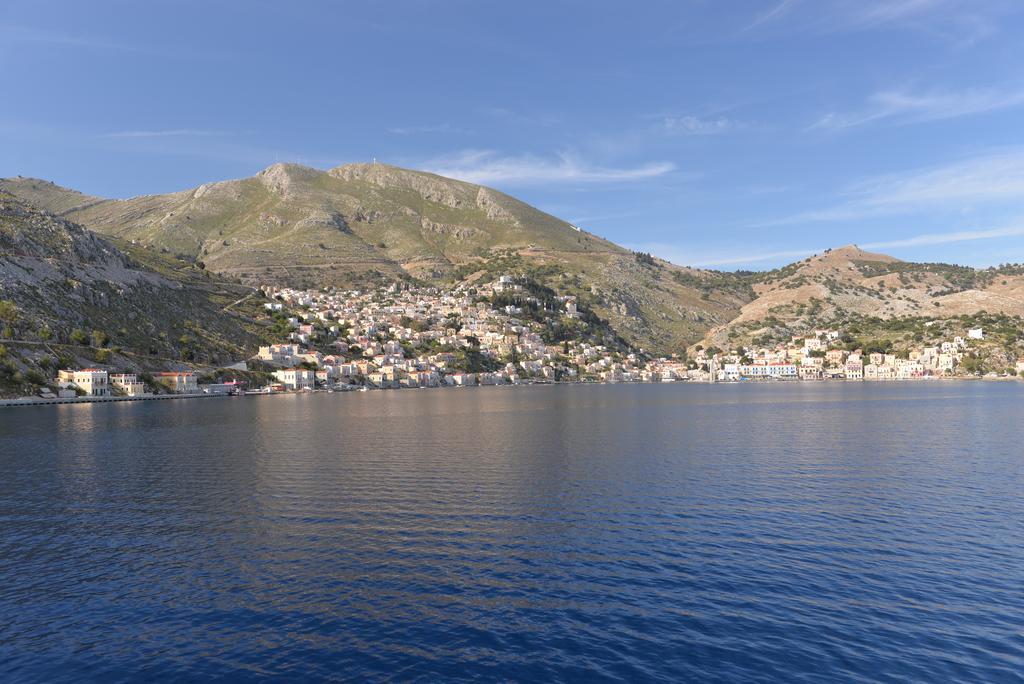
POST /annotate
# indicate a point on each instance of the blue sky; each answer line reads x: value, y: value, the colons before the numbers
x: 732, y: 134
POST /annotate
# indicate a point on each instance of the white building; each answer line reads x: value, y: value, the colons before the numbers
x: 296, y: 378
x: 874, y: 371
x: 813, y: 344
x: 909, y: 370
x: 946, y: 363
x: 769, y: 370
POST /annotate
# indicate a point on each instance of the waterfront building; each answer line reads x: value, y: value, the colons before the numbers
x: 946, y: 363
x: 782, y: 371
x: 128, y: 384
x: 231, y: 387
x: 874, y: 371
x: 178, y: 382
x: 811, y: 371
x: 93, y: 381
x: 296, y: 378
x: 909, y: 370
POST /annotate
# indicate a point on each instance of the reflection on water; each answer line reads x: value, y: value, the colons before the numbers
x: 644, y: 532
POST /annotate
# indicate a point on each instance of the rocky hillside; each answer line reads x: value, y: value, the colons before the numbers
x: 165, y: 255
x: 293, y: 225
x: 848, y: 283
x: 65, y: 290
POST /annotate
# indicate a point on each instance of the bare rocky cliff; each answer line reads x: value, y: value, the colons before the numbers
x: 58, y: 278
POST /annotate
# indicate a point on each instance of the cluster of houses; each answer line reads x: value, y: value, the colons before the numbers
x: 402, y: 336
x: 406, y: 337
x: 818, y: 357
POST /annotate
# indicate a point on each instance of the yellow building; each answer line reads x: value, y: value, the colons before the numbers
x: 128, y: 384
x: 183, y: 382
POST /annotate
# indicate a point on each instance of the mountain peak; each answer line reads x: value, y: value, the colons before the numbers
x: 434, y: 188
x: 839, y: 261
x: 286, y: 167
x: 283, y: 178
x: 386, y: 174
x: 852, y: 252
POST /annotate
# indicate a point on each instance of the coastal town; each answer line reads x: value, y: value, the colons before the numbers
x: 505, y: 332
x: 495, y: 334
x: 820, y: 356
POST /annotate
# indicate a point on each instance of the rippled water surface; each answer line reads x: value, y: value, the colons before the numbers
x: 803, y: 532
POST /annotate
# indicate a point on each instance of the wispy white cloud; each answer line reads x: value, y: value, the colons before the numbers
x: 960, y: 22
x: 487, y: 166
x: 679, y: 254
x: 902, y: 107
x: 684, y: 256
x: 694, y: 125
x: 776, y: 12
x: 169, y: 133
x: 756, y: 258
x: 881, y: 11
x: 585, y: 219
x: 988, y: 179
x: 839, y: 15
x: 957, y: 20
x: 946, y: 238
x: 659, y: 127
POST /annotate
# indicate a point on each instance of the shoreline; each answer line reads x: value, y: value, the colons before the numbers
x: 41, y: 401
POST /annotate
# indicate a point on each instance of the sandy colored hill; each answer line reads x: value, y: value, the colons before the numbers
x: 832, y: 286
